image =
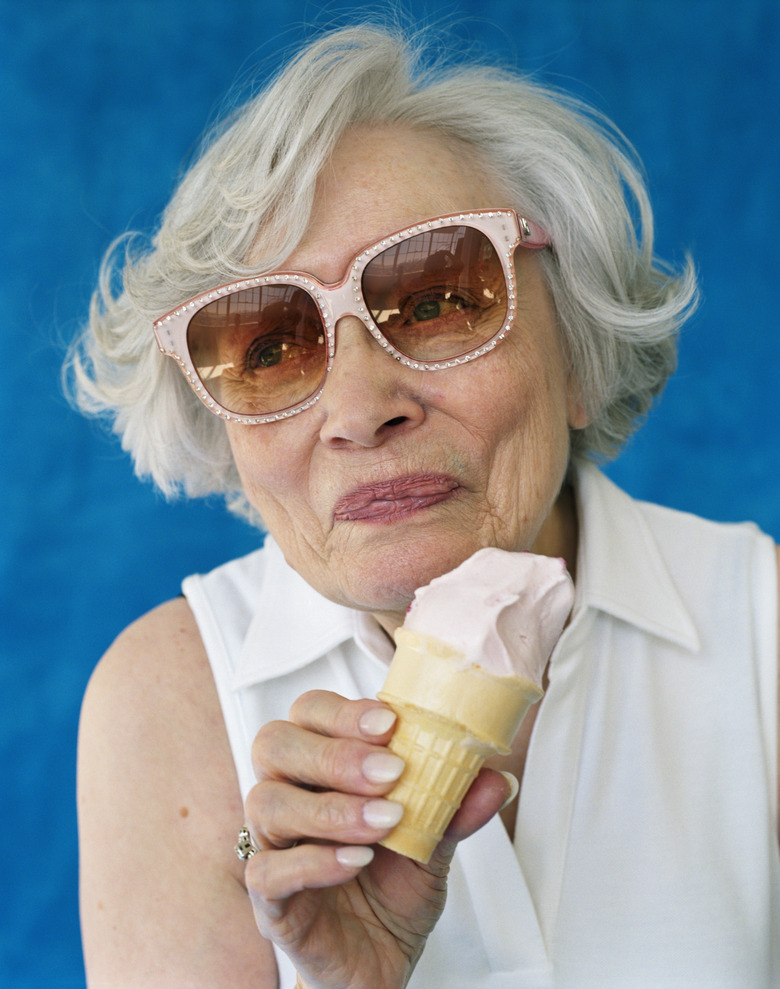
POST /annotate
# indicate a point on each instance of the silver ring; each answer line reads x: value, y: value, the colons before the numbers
x: 245, y: 849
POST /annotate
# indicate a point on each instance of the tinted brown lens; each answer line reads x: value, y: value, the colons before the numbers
x: 259, y: 350
x: 439, y: 294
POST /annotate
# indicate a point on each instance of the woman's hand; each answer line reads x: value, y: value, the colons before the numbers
x: 347, y: 914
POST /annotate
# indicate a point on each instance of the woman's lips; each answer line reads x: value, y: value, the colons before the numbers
x: 399, y: 496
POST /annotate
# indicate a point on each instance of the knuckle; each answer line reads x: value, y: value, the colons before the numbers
x: 332, y: 815
x: 256, y: 813
x: 302, y: 704
x: 309, y: 702
x: 252, y: 802
x: 259, y: 879
x: 271, y: 740
x: 268, y: 810
x: 263, y: 799
x: 341, y: 762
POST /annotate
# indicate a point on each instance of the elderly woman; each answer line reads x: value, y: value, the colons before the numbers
x: 435, y: 311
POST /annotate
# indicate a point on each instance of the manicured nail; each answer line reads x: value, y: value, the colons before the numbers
x: 514, y: 788
x: 382, y: 813
x: 354, y: 856
x: 377, y: 721
x: 382, y: 767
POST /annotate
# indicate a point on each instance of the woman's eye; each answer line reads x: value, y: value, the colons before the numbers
x: 266, y: 356
x: 434, y: 307
x: 428, y: 309
x: 288, y: 349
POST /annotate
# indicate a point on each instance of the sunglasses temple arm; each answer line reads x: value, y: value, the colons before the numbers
x: 531, y: 234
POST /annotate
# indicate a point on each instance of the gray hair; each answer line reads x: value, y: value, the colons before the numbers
x: 562, y: 164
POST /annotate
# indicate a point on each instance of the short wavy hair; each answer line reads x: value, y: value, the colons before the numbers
x: 563, y: 165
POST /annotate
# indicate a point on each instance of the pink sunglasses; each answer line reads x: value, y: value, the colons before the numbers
x: 434, y: 295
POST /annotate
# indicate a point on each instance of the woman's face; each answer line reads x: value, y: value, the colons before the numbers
x: 395, y: 476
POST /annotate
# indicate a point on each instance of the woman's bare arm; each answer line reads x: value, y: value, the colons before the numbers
x: 162, y: 895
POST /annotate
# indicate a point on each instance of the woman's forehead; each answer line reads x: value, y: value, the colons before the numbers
x: 380, y: 179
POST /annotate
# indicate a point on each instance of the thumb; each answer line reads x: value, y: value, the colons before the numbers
x: 490, y: 791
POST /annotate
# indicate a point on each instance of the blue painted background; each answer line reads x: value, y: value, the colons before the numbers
x: 101, y: 102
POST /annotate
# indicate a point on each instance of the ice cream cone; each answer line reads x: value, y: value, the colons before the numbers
x: 451, y: 717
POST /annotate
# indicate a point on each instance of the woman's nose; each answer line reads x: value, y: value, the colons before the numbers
x: 368, y: 396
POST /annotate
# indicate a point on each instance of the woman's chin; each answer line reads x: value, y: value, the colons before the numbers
x: 386, y: 581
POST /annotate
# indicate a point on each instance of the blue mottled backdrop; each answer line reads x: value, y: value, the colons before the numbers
x: 102, y: 100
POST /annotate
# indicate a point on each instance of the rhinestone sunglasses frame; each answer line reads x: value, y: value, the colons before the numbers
x: 504, y: 228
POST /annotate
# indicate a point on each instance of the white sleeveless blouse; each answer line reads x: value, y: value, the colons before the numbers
x: 646, y: 851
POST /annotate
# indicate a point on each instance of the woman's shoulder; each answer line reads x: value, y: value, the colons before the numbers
x: 152, y: 697
x: 149, y: 659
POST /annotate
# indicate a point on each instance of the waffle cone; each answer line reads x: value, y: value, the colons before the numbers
x: 450, y: 719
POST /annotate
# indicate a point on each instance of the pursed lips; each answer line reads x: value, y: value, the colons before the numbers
x: 398, y: 496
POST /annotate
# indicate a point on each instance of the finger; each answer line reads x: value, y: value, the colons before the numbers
x: 280, y: 814
x: 284, y: 751
x: 326, y: 713
x: 272, y: 877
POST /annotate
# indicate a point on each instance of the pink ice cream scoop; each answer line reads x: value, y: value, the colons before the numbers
x: 503, y: 611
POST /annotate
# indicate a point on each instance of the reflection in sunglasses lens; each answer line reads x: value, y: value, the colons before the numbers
x: 259, y: 350
x: 437, y: 295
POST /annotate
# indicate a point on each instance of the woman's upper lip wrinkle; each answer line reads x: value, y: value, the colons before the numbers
x: 423, y: 485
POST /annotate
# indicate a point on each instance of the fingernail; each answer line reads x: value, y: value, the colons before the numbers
x: 514, y: 788
x: 354, y: 856
x: 382, y: 813
x: 377, y: 721
x: 382, y: 767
